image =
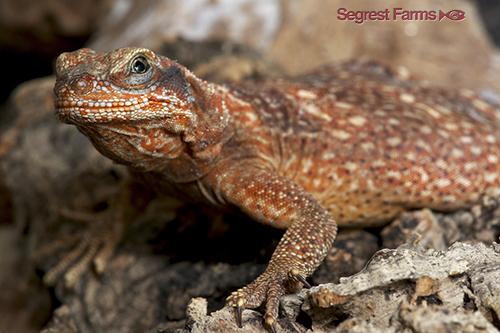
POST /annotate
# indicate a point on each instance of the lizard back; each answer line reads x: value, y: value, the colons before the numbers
x: 368, y: 143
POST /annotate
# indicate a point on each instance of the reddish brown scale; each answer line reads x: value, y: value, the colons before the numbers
x: 351, y: 142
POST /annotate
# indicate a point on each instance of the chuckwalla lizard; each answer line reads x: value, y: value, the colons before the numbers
x: 351, y: 144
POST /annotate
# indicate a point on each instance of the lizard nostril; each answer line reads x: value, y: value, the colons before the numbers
x: 82, y: 85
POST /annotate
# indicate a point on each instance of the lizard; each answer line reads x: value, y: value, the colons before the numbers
x: 350, y: 144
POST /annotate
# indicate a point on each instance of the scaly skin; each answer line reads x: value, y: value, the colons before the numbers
x: 351, y: 144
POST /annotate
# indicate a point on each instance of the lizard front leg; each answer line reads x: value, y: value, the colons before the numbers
x: 275, y: 201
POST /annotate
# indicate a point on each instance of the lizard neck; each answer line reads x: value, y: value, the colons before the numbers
x: 210, y: 118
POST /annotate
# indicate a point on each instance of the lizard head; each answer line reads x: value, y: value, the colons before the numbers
x: 148, y: 105
x: 129, y: 84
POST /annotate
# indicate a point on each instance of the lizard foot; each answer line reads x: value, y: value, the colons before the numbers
x: 92, y: 246
x: 269, y: 287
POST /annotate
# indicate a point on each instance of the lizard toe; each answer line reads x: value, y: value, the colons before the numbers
x: 268, y: 287
x: 94, y: 246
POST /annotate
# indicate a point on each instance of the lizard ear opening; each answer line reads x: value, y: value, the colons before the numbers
x: 210, y: 115
x: 175, y: 79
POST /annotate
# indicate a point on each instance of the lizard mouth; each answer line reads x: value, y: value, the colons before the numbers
x: 70, y: 110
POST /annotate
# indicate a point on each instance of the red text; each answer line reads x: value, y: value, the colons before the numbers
x: 361, y: 16
x: 418, y: 15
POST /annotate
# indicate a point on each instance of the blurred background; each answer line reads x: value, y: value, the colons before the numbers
x: 295, y: 35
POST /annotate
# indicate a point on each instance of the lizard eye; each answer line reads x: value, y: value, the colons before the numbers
x: 140, y: 65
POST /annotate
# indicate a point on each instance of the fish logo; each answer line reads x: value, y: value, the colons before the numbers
x: 454, y: 15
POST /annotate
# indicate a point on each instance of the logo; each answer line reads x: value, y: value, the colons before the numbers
x: 454, y: 15
x: 398, y: 14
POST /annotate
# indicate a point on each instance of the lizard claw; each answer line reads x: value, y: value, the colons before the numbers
x: 239, y: 315
x: 271, y: 322
x: 272, y: 327
x: 268, y: 287
x: 295, y: 274
x: 236, y: 300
